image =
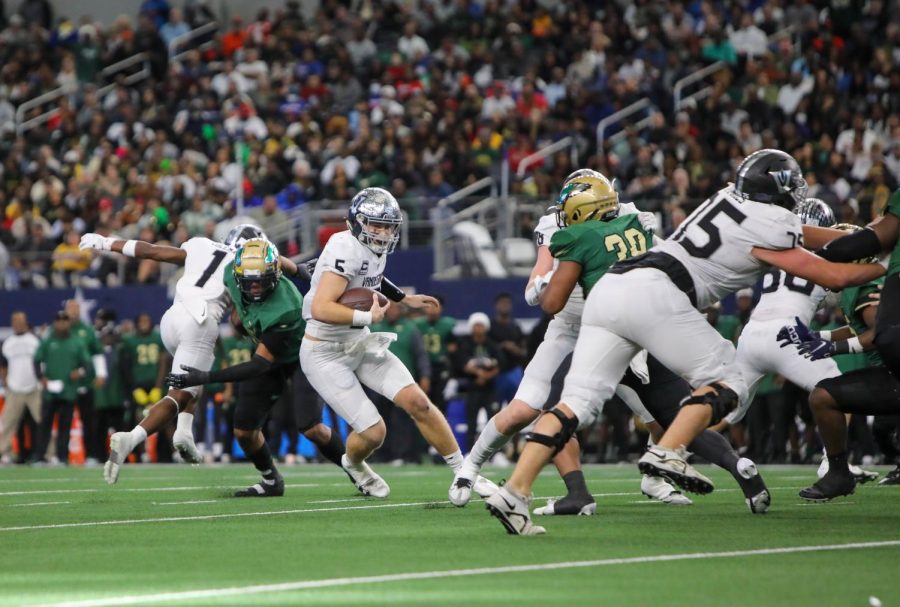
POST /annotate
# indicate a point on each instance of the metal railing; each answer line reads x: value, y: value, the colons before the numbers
x: 179, y: 41
x: 557, y: 146
x: 485, y: 183
x: 616, y: 117
x: 23, y: 126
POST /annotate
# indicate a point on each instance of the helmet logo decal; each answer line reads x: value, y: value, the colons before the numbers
x: 783, y: 179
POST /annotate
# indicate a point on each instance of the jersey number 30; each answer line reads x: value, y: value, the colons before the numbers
x: 637, y: 244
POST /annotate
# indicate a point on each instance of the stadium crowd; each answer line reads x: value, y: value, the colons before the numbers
x: 423, y: 98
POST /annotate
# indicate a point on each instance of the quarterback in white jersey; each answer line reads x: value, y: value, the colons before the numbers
x: 650, y: 302
x: 535, y: 387
x: 339, y: 354
x: 189, y: 329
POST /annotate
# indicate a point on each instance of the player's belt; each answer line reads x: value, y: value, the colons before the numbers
x: 665, y: 263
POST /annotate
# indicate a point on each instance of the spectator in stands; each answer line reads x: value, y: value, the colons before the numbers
x: 69, y: 262
x: 271, y: 219
x: 174, y: 27
x: 110, y: 399
x: 22, y: 389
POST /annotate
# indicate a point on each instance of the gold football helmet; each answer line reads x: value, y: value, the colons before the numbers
x: 257, y: 268
x: 587, y: 198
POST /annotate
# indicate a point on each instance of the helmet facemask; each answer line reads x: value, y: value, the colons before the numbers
x: 375, y: 219
x: 379, y: 235
x: 257, y: 270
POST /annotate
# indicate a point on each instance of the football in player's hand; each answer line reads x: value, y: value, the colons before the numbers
x: 360, y: 298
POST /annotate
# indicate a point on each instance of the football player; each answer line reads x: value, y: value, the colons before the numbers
x: 589, y: 189
x: 651, y: 302
x: 869, y: 391
x: 339, y: 353
x: 269, y: 308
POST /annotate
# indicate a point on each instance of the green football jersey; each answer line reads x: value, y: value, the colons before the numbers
x: 436, y: 336
x: 597, y: 245
x: 144, y: 352
x: 893, y: 207
x: 853, y: 301
x: 88, y: 336
x: 279, y: 312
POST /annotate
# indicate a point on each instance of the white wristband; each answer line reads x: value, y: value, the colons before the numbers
x: 362, y: 319
x: 854, y: 345
x: 826, y: 335
x: 128, y: 248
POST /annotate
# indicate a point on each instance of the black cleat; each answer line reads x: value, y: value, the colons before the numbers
x: 829, y: 487
x: 892, y: 477
x: 569, y: 505
x: 263, y: 489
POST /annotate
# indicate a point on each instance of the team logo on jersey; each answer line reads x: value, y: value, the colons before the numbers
x: 783, y: 179
x: 372, y: 281
x: 364, y: 268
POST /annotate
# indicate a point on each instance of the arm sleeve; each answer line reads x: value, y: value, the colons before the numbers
x: 634, y: 402
x: 252, y: 368
x: 857, y: 245
x: 275, y: 341
x: 390, y: 290
x: 423, y: 363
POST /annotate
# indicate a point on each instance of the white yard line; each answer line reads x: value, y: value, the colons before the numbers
x: 188, y: 502
x: 36, y: 504
x: 143, y: 489
x: 213, y: 593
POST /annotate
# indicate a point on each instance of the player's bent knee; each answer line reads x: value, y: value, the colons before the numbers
x: 820, y: 399
x: 719, y: 397
x: 374, y: 435
x: 557, y: 441
x: 414, y: 401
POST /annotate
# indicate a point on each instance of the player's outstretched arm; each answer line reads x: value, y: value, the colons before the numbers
x: 325, y: 306
x: 297, y: 270
x: 563, y: 281
x: 262, y: 361
x: 134, y: 248
x: 879, y: 236
x: 803, y: 264
x: 395, y: 293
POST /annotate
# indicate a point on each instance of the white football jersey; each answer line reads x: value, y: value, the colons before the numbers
x: 348, y: 257
x: 201, y: 289
x: 714, y: 243
x: 785, y: 296
x: 543, y: 233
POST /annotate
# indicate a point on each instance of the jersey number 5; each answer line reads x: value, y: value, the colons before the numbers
x: 704, y: 220
x: 637, y: 244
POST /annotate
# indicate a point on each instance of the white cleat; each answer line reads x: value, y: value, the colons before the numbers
x: 658, y: 489
x: 184, y: 444
x: 120, y: 446
x: 464, y: 482
x: 485, y: 487
x: 512, y: 511
x: 567, y: 506
x: 672, y: 464
x: 365, y: 479
x: 862, y: 476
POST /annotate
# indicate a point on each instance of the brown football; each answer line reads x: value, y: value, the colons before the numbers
x: 360, y: 298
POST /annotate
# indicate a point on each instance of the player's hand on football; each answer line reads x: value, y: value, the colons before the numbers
x: 191, y: 377
x: 817, y: 348
x: 377, y: 309
x: 95, y: 242
x: 795, y: 335
x: 421, y: 301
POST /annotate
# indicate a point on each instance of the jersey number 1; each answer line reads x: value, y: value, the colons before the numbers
x: 637, y: 244
x: 218, y: 256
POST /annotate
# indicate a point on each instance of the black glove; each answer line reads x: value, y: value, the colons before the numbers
x: 310, y: 265
x: 193, y: 377
x: 796, y: 335
x: 817, y: 348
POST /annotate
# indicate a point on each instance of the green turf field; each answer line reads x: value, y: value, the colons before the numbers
x: 170, y: 535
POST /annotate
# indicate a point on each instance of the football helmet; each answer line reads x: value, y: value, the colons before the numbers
x: 586, y: 198
x: 582, y: 173
x: 815, y: 212
x: 374, y: 219
x: 771, y: 177
x: 240, y: 234
x: 257, y: 269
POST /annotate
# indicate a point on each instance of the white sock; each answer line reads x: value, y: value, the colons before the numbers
x: 489, y: 442
x: 138, y: 435
x: 454, y: 460
x: 185, y: 424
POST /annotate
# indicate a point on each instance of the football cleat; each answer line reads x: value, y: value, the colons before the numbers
x: 830, y: 486
x: 756, y: 495
x: 656, y: 488
x: 892, y: 477
x: 671, y: 464
x: 184, y: 444
x: 569, y: 505
x: 120, y: 445
x: 461, y: 488
x: 512, y: 512
x: 263, y: 489
x: 485, y: 487
x: 862, y: 476
x: 365, y: 479
x: 759, y: 503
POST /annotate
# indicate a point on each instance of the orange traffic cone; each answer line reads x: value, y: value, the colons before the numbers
x: 76, y: 440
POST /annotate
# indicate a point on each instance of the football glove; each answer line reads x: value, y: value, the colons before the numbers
x: 533, y: 293
x: 796, y: 334
x: 648, y: 221
x: 96, y: 242
x: 192, y: 377
x: 817, y: 348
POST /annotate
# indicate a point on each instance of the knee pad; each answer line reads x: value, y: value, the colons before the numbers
x: 558, y: 440
x: 722, y: 400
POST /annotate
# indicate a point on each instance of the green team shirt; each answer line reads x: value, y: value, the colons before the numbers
x: 144, y: 352
x: 893, y: 207
x: 280, y: 312
x: 61, y: 356
x: 89, y: 338
x: 853, y: 301
x: 597, y: 245
x: 112, y: 394
x: 436, y: 337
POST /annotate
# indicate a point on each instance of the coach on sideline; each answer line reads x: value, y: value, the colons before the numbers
x: 21, y: 382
